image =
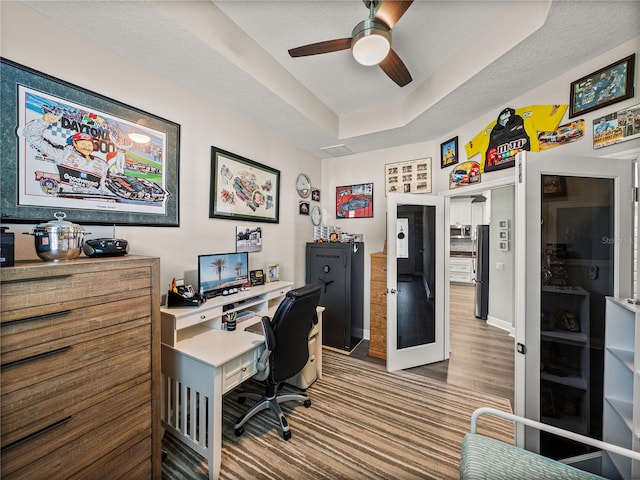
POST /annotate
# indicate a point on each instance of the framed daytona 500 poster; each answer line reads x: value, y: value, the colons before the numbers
x: 67, y: 148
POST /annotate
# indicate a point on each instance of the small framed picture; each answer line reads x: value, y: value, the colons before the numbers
x: 503, y: 234
x: 553, y: 186
x: 504, y: 246
x: 503, y: 224
x: 449, y: 153
x: 248, y: 239
x: 256, y: 277
x: 273, y: 272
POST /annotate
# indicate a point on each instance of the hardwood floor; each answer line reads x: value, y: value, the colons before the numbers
x: 482, y: 356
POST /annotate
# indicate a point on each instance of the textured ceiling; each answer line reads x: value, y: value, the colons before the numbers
x: 466, y: 58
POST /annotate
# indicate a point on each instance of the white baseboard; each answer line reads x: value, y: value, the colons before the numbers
x: 501, y: 324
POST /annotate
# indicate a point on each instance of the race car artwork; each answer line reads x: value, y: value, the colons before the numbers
x: 466, y: 173
x: 354, y: 201
x: 564, y: 134
x: 138, y: 189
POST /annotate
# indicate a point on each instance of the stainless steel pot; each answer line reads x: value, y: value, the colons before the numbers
x: 58, y: 239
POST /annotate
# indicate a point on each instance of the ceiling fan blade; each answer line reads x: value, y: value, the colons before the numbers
x: 321, y: 47
x: 390, y: 11
x: 396, y: 69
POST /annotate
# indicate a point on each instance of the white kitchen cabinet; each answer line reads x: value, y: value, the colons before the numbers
x: 460, y: 211
x: 460, y: 270
x: 621, y: 411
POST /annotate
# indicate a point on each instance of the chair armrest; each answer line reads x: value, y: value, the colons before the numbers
x: 554, y: 430
x: 262, y: 366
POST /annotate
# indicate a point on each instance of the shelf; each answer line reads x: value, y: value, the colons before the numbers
x: 576, y: 337
x: 575, y: 382
x: 620, y: 394
x: 623, y: 409
x: 564, y: 290
x: 621, y: 464
x: 625, y: 356
x: 572, y: 424
x: 182, y: 323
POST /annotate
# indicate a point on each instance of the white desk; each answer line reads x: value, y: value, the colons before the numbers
x: 195, y: 376
x: 201, y: 362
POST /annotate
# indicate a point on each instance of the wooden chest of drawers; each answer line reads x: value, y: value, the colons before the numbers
x: 378, y: 306
x: 79, y: 358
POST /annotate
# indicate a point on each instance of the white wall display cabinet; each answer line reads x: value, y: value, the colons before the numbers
x: 621, y: 412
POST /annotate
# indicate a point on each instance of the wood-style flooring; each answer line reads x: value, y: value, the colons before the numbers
x: 482, y: 356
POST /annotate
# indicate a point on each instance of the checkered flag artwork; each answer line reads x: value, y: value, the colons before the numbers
x: 56, y: 131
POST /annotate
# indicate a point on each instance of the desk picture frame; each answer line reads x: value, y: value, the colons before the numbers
x: 273, y: 272
x: 134, y: 175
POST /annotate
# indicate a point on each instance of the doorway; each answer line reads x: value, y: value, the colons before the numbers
x: 492, y: 338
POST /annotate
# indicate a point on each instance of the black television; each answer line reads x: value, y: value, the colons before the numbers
x: 222, y: 273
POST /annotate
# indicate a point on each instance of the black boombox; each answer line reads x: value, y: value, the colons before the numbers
x: 105, y: 247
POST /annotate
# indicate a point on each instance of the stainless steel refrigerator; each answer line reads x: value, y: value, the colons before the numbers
x: 481, y: 270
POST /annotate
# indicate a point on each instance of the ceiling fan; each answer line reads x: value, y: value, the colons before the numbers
x: 370, y: 40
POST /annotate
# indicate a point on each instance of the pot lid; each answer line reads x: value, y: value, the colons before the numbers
x: 59, y: 223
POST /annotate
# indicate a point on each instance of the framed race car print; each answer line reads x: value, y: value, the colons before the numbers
x: 242, y: 189
x: 602, y: 88
x: 98, y: 160
x: 354, y: 201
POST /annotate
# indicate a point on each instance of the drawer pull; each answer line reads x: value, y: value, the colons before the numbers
x: 36, y: 279
x: 38, y: 432
x: 61, y: 313
x: 244, y: 369
x: 35, y: 357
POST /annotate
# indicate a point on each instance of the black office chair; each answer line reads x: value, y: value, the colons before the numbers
x: 286, y: 354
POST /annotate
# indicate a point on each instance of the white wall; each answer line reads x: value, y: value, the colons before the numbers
x: 24, y: 40
x: 501, y: 282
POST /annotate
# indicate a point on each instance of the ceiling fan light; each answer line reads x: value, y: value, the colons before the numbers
x: 371, y: 42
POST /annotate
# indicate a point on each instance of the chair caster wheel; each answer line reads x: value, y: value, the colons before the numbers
x: 239, y: 431
x: 286, y: 435
x: 307, y: 403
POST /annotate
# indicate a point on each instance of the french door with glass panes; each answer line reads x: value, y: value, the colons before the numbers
x: 573, y: 248
x: 415, y: 280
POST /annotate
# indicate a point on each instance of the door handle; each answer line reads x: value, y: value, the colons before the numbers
x: 325, y: 284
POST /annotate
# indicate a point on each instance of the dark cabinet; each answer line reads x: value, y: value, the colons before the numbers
x: 339, y: 268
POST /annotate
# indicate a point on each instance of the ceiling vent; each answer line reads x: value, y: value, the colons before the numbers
x: 337, y: 150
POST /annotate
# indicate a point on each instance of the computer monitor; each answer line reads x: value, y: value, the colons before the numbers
x: 222, y: 272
